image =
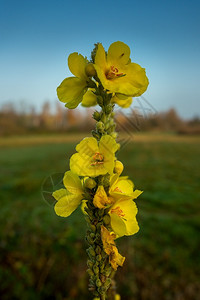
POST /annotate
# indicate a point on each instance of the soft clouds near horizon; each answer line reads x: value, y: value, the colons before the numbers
x: 37, y: 37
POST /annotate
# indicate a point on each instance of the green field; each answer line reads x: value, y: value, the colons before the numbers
x: 43, y: 255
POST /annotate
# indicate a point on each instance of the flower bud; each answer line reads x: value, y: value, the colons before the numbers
x: 99, y: 257
x: 118, y: 167
x: 98, y: 283
x: 93, y: 227
x: 96, y: 269
x: 108, y: 108
x: 100, y: 126
x: 90, y: 272
x: 90, y: 70
x: 114, y: 135
x: 96, y: 115
x: 91, y: 252
x: 106, y: 219
x: 108, y: 282
x: 90, y: 183
x: 90, y: 264
x: 98, y: 249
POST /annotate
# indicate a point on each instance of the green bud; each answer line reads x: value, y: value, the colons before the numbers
x: 107, y: 270
x: 92, y: 235
x: 100, y: 126
x: 90, y: 264
x: 96, y: 269
x: 90, y: 183
x: 93, y: 228
x: 90, y: 70
x: 102, y: 266
x: 99, y: 257
x: 90, y: 272
x: 106, y: 219
x: 108, y: 108
x: 97, y: 116
x: 91, y: 252
x: 114, y: 135
x: 112, y: 114
x: 98, y: 283
x: 98, y: 249
x: 108, y: 282
x: 89, y: 240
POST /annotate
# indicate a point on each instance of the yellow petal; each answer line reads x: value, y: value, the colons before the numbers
x: 116, y: 259
x: 89, y: 99
x: 118, y: 54
x: 60, y: 193
x: 123, y: 103
x: 81, y: 164
x: 72, y: 183
x: 77, y: 64
x: 121, y: 188
x: 117, y: 225
x: 123, y: 218
x: 100, y: 58
x: 101, y: 200
x: 71, y: 91
x: 66, y: 205
x: 88, y: 146
x: 108, y: 145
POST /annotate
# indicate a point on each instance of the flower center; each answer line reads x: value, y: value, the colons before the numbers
x: 97, y: 159
x: 118, y: 190
x: 118, y: 211
x: 114, y: 73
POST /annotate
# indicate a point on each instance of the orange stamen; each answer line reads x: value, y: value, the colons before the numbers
x: 118, y: 211
x: 118, y: 190
x: 97, y: 159
x: 114, y: 73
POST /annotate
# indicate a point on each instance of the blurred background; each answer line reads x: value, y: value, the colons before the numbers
x: 43, y: 255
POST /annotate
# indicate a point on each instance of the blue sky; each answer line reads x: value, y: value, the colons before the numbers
x: 36, y: 38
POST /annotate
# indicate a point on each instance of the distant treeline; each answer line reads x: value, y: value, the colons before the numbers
x: 26, y: 121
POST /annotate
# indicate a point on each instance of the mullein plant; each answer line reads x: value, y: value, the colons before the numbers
x: 94, y: 180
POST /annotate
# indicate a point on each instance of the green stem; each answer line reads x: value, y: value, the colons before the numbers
x: 99, y: 268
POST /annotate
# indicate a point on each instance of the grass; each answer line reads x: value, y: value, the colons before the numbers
x: 43, y: 256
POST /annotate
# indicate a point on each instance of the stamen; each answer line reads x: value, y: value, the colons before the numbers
x: 97, y: 159
x: 118, y: 190
x: 114, y: 73
x: 118, y: 211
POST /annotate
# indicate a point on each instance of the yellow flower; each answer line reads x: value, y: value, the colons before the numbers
x: 117, y: 73
x: 72, y: 89
x: 123, y: 218
x: 122, y: 188
x: 89, y: 99
x: 93, y: 158
x: 110, y: 248
x: 124, y: 103
x: 101, y: 200
x: 69, y: 198
x: 123, y: 210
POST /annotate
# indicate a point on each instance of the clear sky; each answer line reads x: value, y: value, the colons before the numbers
x: 36, y: 38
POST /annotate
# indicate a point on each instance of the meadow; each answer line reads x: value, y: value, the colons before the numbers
x: 43, y: 255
